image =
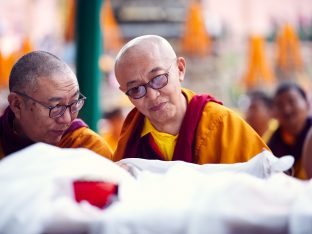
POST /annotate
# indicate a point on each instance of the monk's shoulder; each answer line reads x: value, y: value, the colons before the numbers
x: 93, y: 141
x: 214, y: 114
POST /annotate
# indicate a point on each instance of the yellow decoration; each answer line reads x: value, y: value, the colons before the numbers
x: 111, y: 32
x: 258, y: 72
x: 69, y: 33
x: 195, y: 41
x: 7, y: 62
x: 288, y: 50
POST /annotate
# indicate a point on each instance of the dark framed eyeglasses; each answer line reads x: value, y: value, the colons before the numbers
x: 59, y: 110
x: 156, y: 83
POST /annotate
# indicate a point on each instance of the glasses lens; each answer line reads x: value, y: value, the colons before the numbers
x: 137, y: 92
x: 76, y: 106
x: 57, y: 111
x: 159, y: 81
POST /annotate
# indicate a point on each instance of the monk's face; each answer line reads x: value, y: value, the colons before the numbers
x: 258, y: 115
x: 33, y: 119
x: 142, y: 68
x: 291, y: 111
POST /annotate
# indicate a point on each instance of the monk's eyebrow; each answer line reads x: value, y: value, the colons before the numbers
x: 129, y: 83
x: 57, y: 99
x: 155, y: 69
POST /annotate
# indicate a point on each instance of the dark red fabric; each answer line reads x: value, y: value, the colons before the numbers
x: 142, y: 147
x: 76, y: 124
x: 185, y: 143
x: 145, y: 147
x: 97, y: 193
x: 10, y: 141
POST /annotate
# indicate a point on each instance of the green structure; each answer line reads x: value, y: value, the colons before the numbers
x: 88, y: 42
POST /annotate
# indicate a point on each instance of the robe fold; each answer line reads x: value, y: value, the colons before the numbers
x: 210, y: 133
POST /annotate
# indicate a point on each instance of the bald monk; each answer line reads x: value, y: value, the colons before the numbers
x: 44, y: 102
x: 170, y: 122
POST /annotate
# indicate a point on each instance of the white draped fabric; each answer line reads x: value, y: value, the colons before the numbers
x: 155, y: 197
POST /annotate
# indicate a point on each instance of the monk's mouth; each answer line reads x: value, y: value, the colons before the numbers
x: 158, y: 106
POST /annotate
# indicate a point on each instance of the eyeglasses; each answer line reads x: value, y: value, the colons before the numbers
x: 59, y: 110
x: 156, y: 83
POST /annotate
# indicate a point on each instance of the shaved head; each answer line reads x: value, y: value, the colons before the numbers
x: 34, y: 65
x: 148, y: 65
x: 144, y: 47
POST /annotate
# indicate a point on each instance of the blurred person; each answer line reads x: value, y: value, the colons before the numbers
x: 44, y: 102
x: 259, y: 114
x: 290, y: 106
x: 170, y: 122
x: 307, y: 155
x: 115, y: 120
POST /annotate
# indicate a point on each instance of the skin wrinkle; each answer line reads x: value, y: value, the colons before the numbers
x: 153, y: 73
x: 156, y: 49
x: 44, y: 102
x: 60, y: 98
x: 67, y: 88
x: 165, y: 108
x: 57, y: 85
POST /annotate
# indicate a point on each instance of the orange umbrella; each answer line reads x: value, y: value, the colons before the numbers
x: 6, y: 63
x: 288, y: 50
x: 26, y: 47
x: 69, y: 33
x: 258, y: 72
x: 111, y: 32
x: 3, y: 81
x: 195, y: 39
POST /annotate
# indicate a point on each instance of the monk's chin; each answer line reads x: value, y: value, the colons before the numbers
x: 163, y: 117
x: 53, y: 141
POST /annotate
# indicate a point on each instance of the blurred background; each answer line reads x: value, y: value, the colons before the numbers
x: 231, y: 47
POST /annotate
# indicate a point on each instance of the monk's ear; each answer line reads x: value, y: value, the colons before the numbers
x: 15, y: 102
x: 181, y: 68
x: 121, y: 89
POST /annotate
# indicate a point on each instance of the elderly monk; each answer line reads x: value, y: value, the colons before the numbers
x: 170, y: 122
x: 44, y: 102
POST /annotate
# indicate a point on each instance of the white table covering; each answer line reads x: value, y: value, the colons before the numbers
x: 162, y: 197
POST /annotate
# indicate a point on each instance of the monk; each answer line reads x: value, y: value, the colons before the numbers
x: 44, y: 102
x: 259, y: 114
x: 170, y: 122
x: 291, y: 109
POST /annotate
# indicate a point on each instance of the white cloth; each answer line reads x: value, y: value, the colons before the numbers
x: 262, y: 165
x: 37, y: 196
x: 36, y: 188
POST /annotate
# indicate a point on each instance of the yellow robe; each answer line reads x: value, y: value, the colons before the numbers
x: 222, y: 136
x: 86, y: 138
x: 82, y: 138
